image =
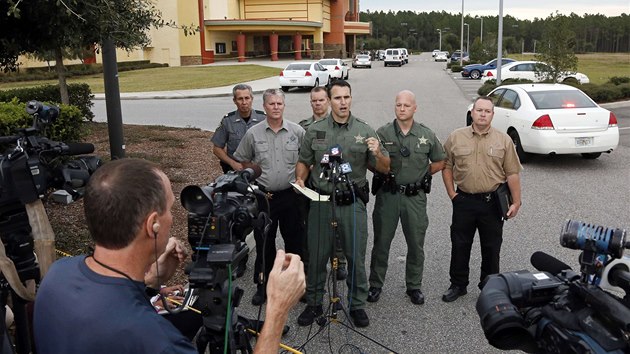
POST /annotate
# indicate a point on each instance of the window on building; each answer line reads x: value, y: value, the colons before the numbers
x: 220, y: 48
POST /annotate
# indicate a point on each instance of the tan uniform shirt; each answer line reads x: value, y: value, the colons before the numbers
x: 480, y: 162
x: 275, y: 153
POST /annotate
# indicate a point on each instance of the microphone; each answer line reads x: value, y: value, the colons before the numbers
x: 78, y: 149
x: 335, y: 153
x: 324, y: 164
x: 546, y: 263
x: 251, y: 172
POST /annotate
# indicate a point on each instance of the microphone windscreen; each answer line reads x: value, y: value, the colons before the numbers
x: 546, y: 263
x: 251, y: 171
x: 79, y: 148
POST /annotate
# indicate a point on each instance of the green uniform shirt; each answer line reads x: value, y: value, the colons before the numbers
x: 421, y: 143
x: 324, y: 134
x: 305, y: 123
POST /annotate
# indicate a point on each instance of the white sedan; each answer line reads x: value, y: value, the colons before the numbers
x: 362, y: 60
x: 527, y: 70
x: 441, y: 56
x: 337, y: 68
x: 304, y: 74
x: 553, y: 119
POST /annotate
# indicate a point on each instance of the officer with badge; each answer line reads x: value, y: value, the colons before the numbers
x: 358, y: 143
x: 233, y: 127
x: 416, y: 154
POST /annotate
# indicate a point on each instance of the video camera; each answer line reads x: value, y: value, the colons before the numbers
x: 29, y: 166
x: 220, y: 216
x: 558, y: 310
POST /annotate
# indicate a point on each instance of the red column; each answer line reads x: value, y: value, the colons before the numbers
x: 297, y: 46
x: 307, y: 46
x: 273, y: 45
x: 240, y: 47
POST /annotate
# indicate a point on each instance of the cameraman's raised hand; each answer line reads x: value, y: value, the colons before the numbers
x: 285, y: 287
x: 167, y: 263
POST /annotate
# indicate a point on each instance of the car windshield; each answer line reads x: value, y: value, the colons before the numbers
x: 363, y: 57
x: 328, y: 62
x: 560, y: 99
x: 298, y: 67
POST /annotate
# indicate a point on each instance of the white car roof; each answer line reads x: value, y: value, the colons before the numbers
x: 541, y: 87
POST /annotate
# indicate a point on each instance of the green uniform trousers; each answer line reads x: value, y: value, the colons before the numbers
x: 352, y: 231
x: 412, y: 212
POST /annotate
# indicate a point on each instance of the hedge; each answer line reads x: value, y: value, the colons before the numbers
x: 80, y: 96
x: 617, y: 88
x: 67, y: 128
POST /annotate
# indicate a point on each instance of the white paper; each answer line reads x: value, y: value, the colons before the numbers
x: 311, y: 194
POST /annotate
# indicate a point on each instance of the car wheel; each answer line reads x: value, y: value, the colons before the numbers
x: 347, y: 75
x: 285, y: 88
x: 370, y: 67
x: 475, y: 75
x: 591, y: 155
x: 317, y: 82
x: 522, y: 155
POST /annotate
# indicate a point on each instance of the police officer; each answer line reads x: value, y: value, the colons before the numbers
x: 416, y: 154
x: 233, y: 126
x: 479, y: 159
x: 273, y: 145
x: 320, y: 105
x: 360, y: 147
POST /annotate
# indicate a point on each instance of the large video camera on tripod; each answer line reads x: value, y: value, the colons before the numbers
x: 30, y: 164
x: 220, y: 216
x: 558, y: 310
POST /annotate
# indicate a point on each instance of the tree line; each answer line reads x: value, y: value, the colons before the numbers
x: 419, y: 31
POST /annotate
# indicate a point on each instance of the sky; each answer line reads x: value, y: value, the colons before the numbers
x: 521, y: 9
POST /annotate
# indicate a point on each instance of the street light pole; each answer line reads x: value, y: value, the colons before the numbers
x: 440, y: 32
x: 467, y: 37
x: 461, y: 39
x: 500, y: 43
x: 481, y: 36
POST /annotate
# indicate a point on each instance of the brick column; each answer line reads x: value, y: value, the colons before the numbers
x: 297, y: 46
x: 273, y: 45
x: 240, y: 47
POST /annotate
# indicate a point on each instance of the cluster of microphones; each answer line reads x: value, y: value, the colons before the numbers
x: 332, y: 164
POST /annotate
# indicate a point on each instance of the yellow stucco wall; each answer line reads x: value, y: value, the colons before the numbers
x: 188, y: 15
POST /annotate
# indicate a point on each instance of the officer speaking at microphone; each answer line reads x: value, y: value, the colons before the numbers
x: 360, y: 147
x: 416, y: 154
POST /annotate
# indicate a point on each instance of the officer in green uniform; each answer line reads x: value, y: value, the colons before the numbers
x: 320, y: 103
x: 416, y: 154
x: 360, y: 147
x: 233, y: 127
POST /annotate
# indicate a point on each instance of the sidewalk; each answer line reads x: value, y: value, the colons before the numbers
x: 258, y: 86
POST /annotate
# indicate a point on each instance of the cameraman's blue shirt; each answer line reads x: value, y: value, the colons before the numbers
x: 80, y: 311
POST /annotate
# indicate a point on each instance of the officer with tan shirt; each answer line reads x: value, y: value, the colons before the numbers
x: 479, y: 159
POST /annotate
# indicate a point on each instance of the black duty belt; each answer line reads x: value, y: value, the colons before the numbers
x: 486, y: 197
x: 271, y: 193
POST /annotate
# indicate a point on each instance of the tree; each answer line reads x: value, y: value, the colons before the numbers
x: 55, y: 26
x: 556, y: 48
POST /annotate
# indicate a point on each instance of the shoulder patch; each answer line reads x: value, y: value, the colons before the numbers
x: 229, y: 114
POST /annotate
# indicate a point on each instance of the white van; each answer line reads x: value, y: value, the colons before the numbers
x: 394, y: 56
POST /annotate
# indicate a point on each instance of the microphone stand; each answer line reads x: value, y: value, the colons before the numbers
x: 335, y: 299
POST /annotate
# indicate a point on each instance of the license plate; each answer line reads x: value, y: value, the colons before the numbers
x: 293, y: 81
x: 584, y: 141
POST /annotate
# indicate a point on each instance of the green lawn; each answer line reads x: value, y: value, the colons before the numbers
x: 168, y: 79
x: 599, y: 67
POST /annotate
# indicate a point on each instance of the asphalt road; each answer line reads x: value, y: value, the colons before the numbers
x: 554, y: 189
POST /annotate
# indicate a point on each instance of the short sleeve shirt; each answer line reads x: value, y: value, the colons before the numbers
x: 326, y: 133
x: 421, y: 143
x: 275, y: 153
x: 233, y: 128
x: 480, y: 162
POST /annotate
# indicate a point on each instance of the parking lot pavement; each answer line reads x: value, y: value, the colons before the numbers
x: 468, y: 86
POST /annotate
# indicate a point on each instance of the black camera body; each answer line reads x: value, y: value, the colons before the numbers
x: 29, y: 166
x: 558, y: 310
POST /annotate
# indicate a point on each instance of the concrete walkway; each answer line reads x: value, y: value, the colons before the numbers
x: 257, y: 85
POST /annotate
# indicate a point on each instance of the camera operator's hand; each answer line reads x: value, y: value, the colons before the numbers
x: 236, y: 166
x: 167, y: 263
x: 285, y: 287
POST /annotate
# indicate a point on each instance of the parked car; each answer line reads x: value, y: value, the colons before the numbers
x: 456, y: 54
x: 441, y: 56
x: 474, y: 71
x: 405, y: 55
x: 434, y: 53
x: 552, y: 119
x: 380, y: 54
x: 336, y: 68
x: 304, y: 74
x: 393, y: 56
x: 362, y: 61
x: 527, y: 70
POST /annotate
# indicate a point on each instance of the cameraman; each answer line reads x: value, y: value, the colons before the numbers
x: 127, y: 207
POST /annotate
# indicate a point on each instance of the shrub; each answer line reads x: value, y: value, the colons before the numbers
x: 456, y: 68
x: 618, y: 80
x: 80, y: 96
x: 67, y: 128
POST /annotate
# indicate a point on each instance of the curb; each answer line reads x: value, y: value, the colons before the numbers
x: 172, y: 96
